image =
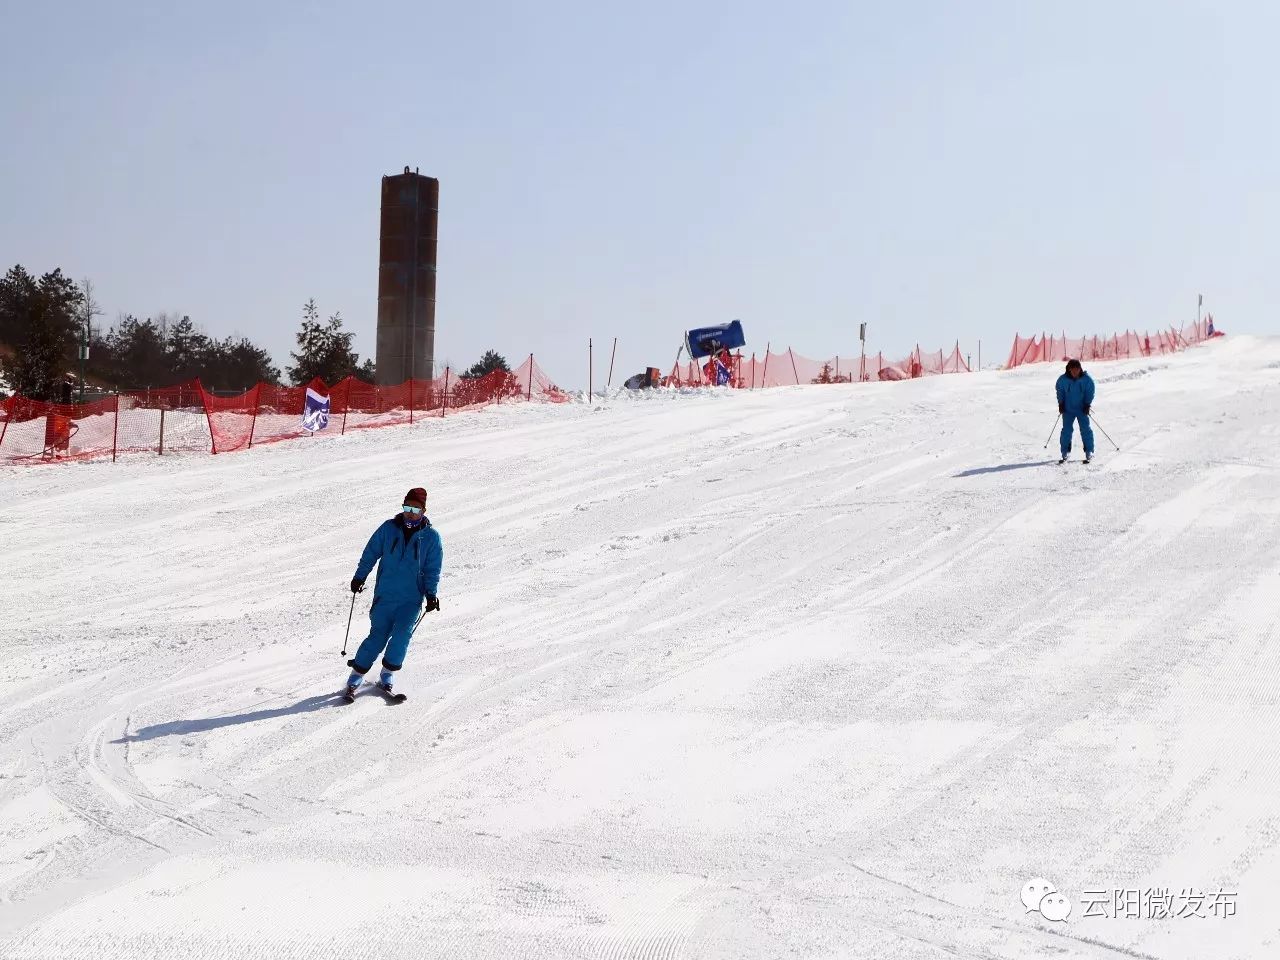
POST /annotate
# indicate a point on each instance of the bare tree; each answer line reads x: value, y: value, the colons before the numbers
x: 89, y: 309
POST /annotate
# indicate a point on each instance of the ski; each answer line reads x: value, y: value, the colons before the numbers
x: 349, y: 695
x: 391, y: 698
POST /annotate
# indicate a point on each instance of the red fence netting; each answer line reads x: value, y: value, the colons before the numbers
x: 1121, y: 346
x: 187, y: 417
x: 791, y: 369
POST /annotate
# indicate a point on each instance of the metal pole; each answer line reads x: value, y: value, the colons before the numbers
x: 753, y: 369
x: 1094, y: 421
x: 764, y: 374
x: 530, y: 396
x: 445, y: 406
x: 793, y: 366
x: 349, y: 616
x: 115, y: 430
x: 590, y: 371
x: 1055, y: 427
x: 862, y: 354
x: 612, y: 353
x: 161, y: 431
x: 257, y: 396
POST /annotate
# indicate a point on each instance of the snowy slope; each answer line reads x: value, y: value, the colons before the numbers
x: 815, y: 672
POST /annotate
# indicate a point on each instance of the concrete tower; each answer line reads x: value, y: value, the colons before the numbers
x: 407, y: 278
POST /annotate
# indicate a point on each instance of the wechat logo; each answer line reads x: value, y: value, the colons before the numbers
x: 1042, y: 897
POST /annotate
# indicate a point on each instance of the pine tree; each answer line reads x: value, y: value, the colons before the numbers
x: 324, y: 350
x: 185, y: 350
x: 138, y: 354
x: 38, y: 320
x: 37, y: 368
x: 487, y: 364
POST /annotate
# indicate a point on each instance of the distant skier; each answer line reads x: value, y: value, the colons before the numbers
x: 1075, y: 397
x: 409, y: 555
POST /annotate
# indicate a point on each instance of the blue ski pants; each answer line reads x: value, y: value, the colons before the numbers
x: 390, y: 626
x: 1086, y: 431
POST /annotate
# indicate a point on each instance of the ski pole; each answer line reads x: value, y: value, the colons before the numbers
x: 415, y: 626
x: 1055, y: 427
x: 349, y: 616
x: 1105, y: 434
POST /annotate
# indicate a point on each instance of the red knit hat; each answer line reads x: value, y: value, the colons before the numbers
x: 416, y: 495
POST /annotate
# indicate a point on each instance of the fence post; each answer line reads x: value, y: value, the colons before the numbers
x: 115, y: 428
x: 764, y: 374
x: 411, y: 400
x: 10, y: 405
x: 253, y: 424
x: 590, y: 371
x: 530, y: 396
x: 346, y: 406
x: 793, y: 366
x: 445, y: 406
x: 753, y: 369
x: 612, y: 354
x: 161, y: 431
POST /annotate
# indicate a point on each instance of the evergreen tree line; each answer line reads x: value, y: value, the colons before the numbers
x: 43, y: 320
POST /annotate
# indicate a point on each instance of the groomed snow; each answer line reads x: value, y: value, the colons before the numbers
x: 813, y: 672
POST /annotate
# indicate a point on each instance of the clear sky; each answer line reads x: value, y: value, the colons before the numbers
x: 940, y: 170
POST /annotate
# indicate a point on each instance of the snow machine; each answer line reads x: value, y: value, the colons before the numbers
x: 706, y: 341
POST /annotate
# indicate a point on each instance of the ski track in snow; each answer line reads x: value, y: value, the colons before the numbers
x: 815, y: 672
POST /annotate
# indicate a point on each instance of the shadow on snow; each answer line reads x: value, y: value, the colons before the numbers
x: 179, y: 727
x: 977, y: 471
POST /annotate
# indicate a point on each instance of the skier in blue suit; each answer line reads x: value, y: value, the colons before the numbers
x: 409, y: 555
x: 1075, y: 397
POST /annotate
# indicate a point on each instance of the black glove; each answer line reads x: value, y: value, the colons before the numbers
x: 1086, y: 409
x: 433, y: 603
x: 357, y: 584
x: 1062, y: 408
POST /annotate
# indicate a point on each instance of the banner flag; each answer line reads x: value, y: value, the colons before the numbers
x: 315, y: 413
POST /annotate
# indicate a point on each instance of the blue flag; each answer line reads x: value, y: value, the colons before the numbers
x: 315, y: 412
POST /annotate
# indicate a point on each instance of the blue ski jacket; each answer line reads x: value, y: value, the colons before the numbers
x: 1075, y: 395
x: 408, y: 561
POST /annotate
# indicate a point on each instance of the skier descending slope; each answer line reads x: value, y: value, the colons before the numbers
x: 1075, y: 397
x: 409, y: 555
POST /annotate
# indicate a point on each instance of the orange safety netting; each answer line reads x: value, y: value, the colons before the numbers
x: 187, y: 417
x: 1121, y: 346
x: 791, y: 369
